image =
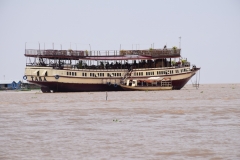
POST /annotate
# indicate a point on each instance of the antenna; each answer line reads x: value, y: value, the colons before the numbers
x: 179, y: 42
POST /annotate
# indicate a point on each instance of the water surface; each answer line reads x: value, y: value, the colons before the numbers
x: 191, y: 123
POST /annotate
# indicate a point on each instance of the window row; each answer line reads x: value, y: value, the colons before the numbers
x: 96, y: 74
x: 135, y: 73
x: 72, y: 73
x: 149, y: 73
x: 138, y: 73
x: 114, y: 74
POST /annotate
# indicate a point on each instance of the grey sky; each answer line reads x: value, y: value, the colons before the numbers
x: 210, y: 30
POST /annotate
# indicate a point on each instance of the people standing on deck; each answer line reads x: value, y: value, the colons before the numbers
x: 180, y: 63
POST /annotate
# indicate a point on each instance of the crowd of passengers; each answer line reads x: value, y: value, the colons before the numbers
x: 141, y: 64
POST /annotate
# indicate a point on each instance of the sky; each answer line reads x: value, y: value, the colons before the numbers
x: 209, y: 31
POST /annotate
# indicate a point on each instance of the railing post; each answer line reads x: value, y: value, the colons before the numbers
x: 25, y: 47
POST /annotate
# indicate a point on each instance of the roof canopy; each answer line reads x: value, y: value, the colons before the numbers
x: 104, y: 55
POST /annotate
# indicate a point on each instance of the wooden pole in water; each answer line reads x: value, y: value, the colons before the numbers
x: 106, y: 96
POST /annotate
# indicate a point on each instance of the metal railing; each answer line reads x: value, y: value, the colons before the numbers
x: 81, y: 53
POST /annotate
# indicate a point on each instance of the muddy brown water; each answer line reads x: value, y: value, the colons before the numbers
x: 191, y: 123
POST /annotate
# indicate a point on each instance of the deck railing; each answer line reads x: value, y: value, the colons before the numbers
x: 81, y: 53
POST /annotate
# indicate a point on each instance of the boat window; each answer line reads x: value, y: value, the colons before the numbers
x: 100, y: 74
x: 70, y: 73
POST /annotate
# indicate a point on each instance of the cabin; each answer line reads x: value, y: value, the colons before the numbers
x: 17, y: 85
x: 10, y: 84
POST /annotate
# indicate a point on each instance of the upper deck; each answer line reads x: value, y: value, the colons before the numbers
x: 104, y: 55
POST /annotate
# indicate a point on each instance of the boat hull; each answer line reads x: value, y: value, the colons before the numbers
x: 83, y: 87
x: 83, y: 84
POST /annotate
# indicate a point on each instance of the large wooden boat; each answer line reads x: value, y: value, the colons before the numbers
x: 83, y: 70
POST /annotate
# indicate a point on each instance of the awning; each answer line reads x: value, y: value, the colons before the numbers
x: 155, y: 78
x: 150, y: 79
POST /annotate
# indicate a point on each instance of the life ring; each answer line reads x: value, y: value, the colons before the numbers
x: 115, y: 85
x: 109, y: 83
x: 25, y: 77
x: 57, y: 76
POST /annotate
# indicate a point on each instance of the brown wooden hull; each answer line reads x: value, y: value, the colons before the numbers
x: 78, y: 87
x: 55, y: 86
